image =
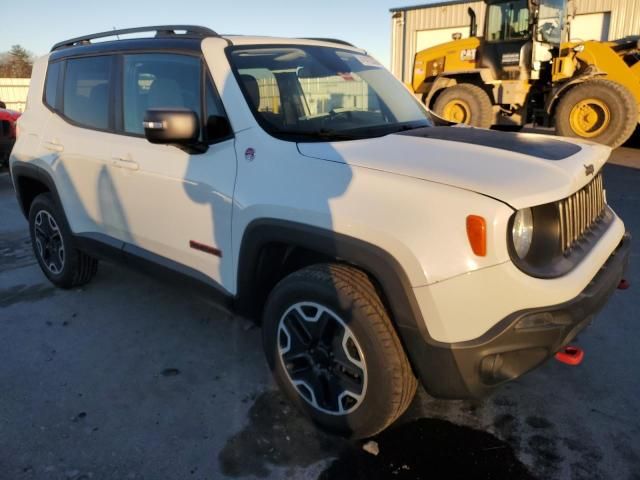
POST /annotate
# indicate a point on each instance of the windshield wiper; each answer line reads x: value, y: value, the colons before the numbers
x: 322, y: 134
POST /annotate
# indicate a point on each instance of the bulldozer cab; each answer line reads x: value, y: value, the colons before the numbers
x: 522, y: 35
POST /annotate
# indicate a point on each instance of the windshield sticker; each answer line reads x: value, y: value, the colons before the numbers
x: 368, y: 61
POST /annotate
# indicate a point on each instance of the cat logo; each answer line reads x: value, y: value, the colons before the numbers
x: 468, y: 55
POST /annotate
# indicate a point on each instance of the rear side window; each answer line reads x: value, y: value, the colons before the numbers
x: 86, y: 91
x: 51, y: 87
x: 159, y: 80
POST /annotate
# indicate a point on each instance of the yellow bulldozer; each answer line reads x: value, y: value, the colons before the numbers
x: 525, y: 69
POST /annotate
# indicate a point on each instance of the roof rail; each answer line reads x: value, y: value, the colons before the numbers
x: 330, y: 40
x: 161, y: 30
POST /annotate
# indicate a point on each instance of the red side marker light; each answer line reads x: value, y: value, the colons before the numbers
x: 624, y: 284
x: 570, y: 355
x: 205, y: 248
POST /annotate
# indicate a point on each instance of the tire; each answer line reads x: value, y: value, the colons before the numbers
x: 465, y: 103
x: 354, y: 327
x: 598, y: 110
x: 63, y: 264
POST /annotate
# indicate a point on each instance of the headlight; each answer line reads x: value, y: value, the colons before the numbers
x: 436, y: 66
x: 522, y: 232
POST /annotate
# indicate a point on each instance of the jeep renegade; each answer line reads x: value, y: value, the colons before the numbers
x: 308, y: 188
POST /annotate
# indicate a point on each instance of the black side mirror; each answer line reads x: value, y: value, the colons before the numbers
x: 218, y: 127
x: 171, y: 126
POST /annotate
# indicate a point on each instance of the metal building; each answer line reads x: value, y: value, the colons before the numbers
x: 418, y: 27
x: 13, y: 92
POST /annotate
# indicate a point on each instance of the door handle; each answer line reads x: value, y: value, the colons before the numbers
x: 124, y: 162
x: 53, y: 146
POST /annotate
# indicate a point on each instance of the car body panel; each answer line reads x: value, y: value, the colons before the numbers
x: 517, y: 179
x: 407, y: 195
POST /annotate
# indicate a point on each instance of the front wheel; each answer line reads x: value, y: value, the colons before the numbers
x: 599, y: 110
x: 334, y: 352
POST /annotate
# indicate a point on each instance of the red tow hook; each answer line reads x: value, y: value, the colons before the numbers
x: 624, y: 284
x: 570, y: 355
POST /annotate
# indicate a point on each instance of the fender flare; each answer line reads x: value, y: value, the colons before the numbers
x: 449, y: 79
x: 430, y: 359
x: 557, y: 92
x: 33, y: 172
x: 374, y: 260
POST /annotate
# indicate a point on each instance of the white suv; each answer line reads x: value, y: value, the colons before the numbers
x: 307, y: 187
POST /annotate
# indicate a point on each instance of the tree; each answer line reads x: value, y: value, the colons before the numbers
x: 16, y: 63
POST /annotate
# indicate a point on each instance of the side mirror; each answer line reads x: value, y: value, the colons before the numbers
x: 218, y: 127
x: 171, y: 125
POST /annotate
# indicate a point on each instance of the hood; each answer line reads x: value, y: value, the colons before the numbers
x: 520, y: 169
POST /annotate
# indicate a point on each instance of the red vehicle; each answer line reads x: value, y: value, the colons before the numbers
x: 8, y: 121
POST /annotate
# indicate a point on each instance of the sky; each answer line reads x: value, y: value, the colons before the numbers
x: 38, y: 24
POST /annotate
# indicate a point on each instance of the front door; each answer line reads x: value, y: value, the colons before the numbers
x: 178, y: 203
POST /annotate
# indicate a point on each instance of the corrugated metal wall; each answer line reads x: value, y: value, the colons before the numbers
x: 625, y: 15
x: 625, y: 20
x: 13, y: 92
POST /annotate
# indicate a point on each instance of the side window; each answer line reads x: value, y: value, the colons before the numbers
x: 51, y: 86
x: 86, y: 91
x: 159, y: 80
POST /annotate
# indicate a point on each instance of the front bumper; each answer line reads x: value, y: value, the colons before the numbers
x: 518, y: 343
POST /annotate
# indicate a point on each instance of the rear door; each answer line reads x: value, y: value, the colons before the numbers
x: 79, y: 136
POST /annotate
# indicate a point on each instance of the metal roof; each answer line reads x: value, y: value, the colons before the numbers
x: 429, y: 5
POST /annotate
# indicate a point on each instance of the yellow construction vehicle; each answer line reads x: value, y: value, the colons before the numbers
x: 525, y: 69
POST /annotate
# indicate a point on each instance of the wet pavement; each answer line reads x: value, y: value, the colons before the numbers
x: 134, y: 378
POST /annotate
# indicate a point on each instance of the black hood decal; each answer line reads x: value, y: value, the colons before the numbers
x: 541, y: 147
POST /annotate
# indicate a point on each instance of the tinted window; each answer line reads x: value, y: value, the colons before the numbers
x: 216, y: 129
x: 158, y: 80
x: 51, y: 88
x: 86, y: 91
x: 508, y: 21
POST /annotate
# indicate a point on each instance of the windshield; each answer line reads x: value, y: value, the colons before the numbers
x: 551, y: 21
x: 323, y: 93
x: 508, y: 21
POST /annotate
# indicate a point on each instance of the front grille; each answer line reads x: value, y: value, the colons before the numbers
x: 580, y: 212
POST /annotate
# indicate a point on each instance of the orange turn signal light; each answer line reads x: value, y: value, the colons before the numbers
x: 477, y: 234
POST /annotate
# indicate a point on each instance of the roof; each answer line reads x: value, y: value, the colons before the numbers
x: 185, y: 44
x: 429, y: 5
x: 171, y: 37
x: 251, y: 40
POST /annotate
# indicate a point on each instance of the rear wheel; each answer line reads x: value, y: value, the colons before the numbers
x: 465, y: 103
x: 333, y: 350
x: 599, y: 110
x: 61, y: 262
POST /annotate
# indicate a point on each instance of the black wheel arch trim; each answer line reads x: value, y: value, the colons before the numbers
x: 432, y: 361
x: 26, y: 170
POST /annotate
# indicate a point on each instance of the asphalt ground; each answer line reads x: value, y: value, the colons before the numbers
x: 131, y: 378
